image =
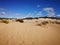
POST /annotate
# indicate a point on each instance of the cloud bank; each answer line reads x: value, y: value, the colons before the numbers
x: 50, y: 12
x: 2, y: 13
x: 39, y: 14
x: 2, y: 9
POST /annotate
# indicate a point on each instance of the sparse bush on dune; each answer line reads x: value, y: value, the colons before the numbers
x: 19, y: 20
x: 44, y: 22
x: 36, y: 21
x: 5, y: 21
x: 57, y: 22
x: 39, y: 24
x: 54, y: 22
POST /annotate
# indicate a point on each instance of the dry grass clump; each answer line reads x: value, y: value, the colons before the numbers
x: 19, y: 20
x: 54, y: 22
x: 39, y: 24
x: 5, y: 21
x: 36, y: 21
x: 42, y: 23
x: 51, y: 21
x: 45, y: 22
x: 57, y: 22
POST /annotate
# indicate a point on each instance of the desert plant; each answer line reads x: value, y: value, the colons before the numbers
x: 45, y: 22
x: 57, y: 22
x: 36, y: 21
x: 5, y: 21
x: 42, y: 23
x: 39, y: 24
x: 19, y: 20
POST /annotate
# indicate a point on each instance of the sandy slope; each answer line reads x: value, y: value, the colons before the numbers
x: 16, y: 33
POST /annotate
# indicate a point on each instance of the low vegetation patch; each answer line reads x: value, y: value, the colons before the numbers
x: 57, y: 22
x: 39, y: 24
x: 44, y: 22
x: 19, y: 20
x: 36, y: 21
x: 54, y: 22
x: 5, y: 21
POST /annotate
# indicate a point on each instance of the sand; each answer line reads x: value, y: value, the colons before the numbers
x: 28, y: 33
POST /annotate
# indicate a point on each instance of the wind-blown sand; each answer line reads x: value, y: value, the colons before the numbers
x: 27, y: 33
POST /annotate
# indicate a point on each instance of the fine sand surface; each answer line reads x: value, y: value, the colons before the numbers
x: 27, y: 33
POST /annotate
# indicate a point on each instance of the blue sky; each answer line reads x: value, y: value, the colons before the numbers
x: 26, y: 8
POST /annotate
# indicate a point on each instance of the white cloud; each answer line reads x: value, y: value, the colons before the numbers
x: 2, y: 13
x: 2, y: 9
x: 38, y: 6
x: 58, y: 15
x: 50, y: 11
x: 34, y: 14
x: 39, y: 14
x: 18, y: 14
x: 29, y: 15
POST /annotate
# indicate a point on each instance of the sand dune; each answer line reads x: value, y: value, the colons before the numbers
x: 28, y: 33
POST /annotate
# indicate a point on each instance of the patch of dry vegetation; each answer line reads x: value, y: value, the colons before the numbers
x: 54, y: 21
x: 39, y: 24
x: 19, y: 20
x: 5, y: 21
x: 57, y: 22
x: 45, y: 22
x: 42, y: 23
